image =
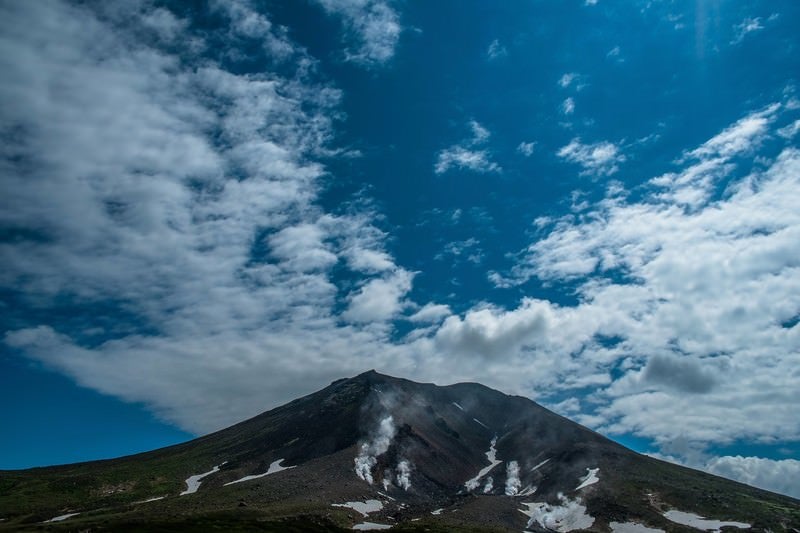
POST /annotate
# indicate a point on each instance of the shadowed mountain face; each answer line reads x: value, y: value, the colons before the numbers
x: 375, y: 451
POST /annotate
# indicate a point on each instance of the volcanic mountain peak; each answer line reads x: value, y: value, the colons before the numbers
x: 374, y: 451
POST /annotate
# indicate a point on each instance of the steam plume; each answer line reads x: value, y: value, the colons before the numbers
x: 404, y: 474
x: 512, y: 478
x: 370, y: 450
x: 489, y: 485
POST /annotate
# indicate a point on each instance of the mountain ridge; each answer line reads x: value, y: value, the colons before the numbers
x: 483, y: 459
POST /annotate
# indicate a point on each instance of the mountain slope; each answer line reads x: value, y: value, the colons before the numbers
x: 414, y: 456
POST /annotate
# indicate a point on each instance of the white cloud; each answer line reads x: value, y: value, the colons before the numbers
x: 302, y: 248
x: 493, y: 332
x: 468, y: 249
x: 566, y: 80
x: 568, y: 106
x: 615, y: 54
x: 379, y: 299
x: 375, y: 24
x: 526, y: 148
x: 431, y: 313
x: 791, y: 130
x: 182, y: 200
x: 468, y: 154
x: 496, y: 50
x: 479, y: 134
x: 597, y: 159
x: 781, y: 476
x: 747, y: 26
x: 249, y: 23
x: 464, y: 158
x: 697, y: 295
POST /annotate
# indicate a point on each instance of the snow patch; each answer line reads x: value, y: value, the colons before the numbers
x: 512, y: 478
x: 457, y: 405
x: 62, y: 517
x: 365, y: 508
x: 437, y: 512
x: 370, y: 450
x: 193, y: 482
x: 589, y: 479
x: 274, y: 467
x: 632, y: 527
x: 539, y: 465
x: 527, y: 491
x: 151, y: 499
x: 698, y: 522
x: 370, y: 526
x: 568, y: 516
x: 473, y: 483
x: 481, y: 423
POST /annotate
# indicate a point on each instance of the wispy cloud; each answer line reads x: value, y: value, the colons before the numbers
x: 374, y: 25
x: 568, y: 106
x: 566, y: 79
x: 496, y: 50
x: 468, y: 154
x: 526, y: 148
x: 747, y: 26
x: 597, y: 159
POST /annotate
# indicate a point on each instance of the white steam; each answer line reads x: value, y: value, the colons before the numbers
x: 370, y: 450
x: 387, y: 479
x: 489, y: 485
x: 512, y: 478
x: 568, y: 516
x: 404, y: 474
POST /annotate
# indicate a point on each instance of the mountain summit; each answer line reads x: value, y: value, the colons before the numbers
x: 377, y: 452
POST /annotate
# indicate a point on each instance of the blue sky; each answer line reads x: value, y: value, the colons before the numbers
x: 209, y: 210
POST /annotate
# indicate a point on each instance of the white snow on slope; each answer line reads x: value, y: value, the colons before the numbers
x: 481, y: 423
x: 632, y: 527
x: 457, y: 405
x: 698, y: 522
x: 473, y: 483
x: 193, y: 482
x: 437, y: 512
x: 365, y: 507
x: 568, y: 516
x: 370, y: 526
x: 539, y: 465
x: 62, y: 517
x: 151, y: 499
x: 274, y: 467
x: 527, y: 491
x: 589, y: 479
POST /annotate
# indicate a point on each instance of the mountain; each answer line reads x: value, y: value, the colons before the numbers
x: 375, y: 451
